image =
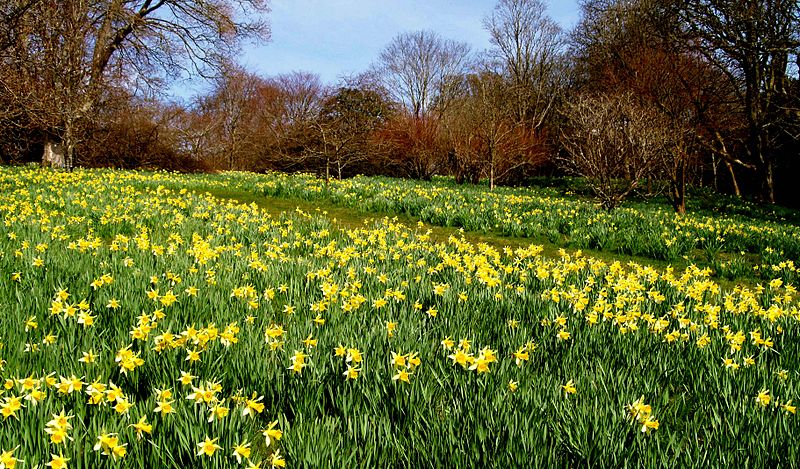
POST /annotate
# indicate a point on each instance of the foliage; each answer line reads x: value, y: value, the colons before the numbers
x: 361, y: 346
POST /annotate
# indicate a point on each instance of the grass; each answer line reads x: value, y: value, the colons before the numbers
x: 354, y: 343
x: 353, y: 218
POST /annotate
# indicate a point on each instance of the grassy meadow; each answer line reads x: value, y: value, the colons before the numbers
x: 166, y: 320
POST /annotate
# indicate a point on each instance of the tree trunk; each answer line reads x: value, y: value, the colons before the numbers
x: 768, y: 182
x: 491, y: 169
x: 69, y: 143
x: 679, y: 190
x: 61, y: 155
x: 714, y: 164
x: 53, y: 155
x: 70, y: 155
x: 475, y: 176
x: 736, y: 189
x: 327, y: 171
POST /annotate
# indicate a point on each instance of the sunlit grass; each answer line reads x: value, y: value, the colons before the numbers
x: 177, y: 329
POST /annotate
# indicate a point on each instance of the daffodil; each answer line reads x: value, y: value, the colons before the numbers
x: 142, y: 427
x: 186, y: 378
x: 164, y: 407
x: 353, y: 355
x: 253, y: 406
x: 10, y: 406
x: 208, y: 447
x: 763, y: 398
x: 398, y: 359
x: 192, y: 356
x: 351, y: 373
x: 57, y: 461
x: 276, y: 460
x: 480, y: 364
x: 521, y: 356
x: 271, y: 433
x: 298, y: 360
x: 402, y: 375
x: 8, y: 461
x: 788, y: 407
x: 217, y: 412
x: 461, y: 357
x: 649, y: 424
x: 88, y: 357
x: 447, y: 343
x: 241, y: 451
x: 310, y: 342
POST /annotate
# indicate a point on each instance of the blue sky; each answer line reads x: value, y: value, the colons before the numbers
x: 334, y: 38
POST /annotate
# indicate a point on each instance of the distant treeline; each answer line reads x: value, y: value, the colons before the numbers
x: 642, y: 96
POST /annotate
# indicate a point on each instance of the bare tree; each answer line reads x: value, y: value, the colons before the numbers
x: 302, y: 95
x: 415, y: 145
x: 640, y: 47
x: 135, y: 133
x: 754, y: 42
x: 194, y: 134
x: 422, y: 73
x: 421, y: 70
x: 486, y: 136
x: 11, y: 14
x: 68, y: 51
x: 347, y: 118
x: 614, y: 143
x: 291, y: 114
x: 231, y: 106
x: 527, y: 47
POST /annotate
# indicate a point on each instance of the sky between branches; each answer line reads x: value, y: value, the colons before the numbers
x: 336, y: 38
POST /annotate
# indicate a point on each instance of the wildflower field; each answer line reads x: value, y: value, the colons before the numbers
x: 736, y: 239
x: 149, y: 324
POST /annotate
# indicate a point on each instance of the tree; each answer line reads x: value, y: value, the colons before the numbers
x: 302, y: 94
x: 640, y: 47
x: 485, y: 133
x: 614, y: 143
x: 14, y: 123
x: 134, y: 133
x: 753, y: 42
x: 289, y: 116
x: 415, y: 145
x: 527, y: 46
x: 346, y: 120
x: 231, y: 106
x: 11, y: 14
x: 67, y: 52
x: 421, y: 71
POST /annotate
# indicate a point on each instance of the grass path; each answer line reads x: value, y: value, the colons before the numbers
x: 349, y: 218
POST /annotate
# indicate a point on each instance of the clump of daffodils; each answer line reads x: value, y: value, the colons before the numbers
x: 641, y: 414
